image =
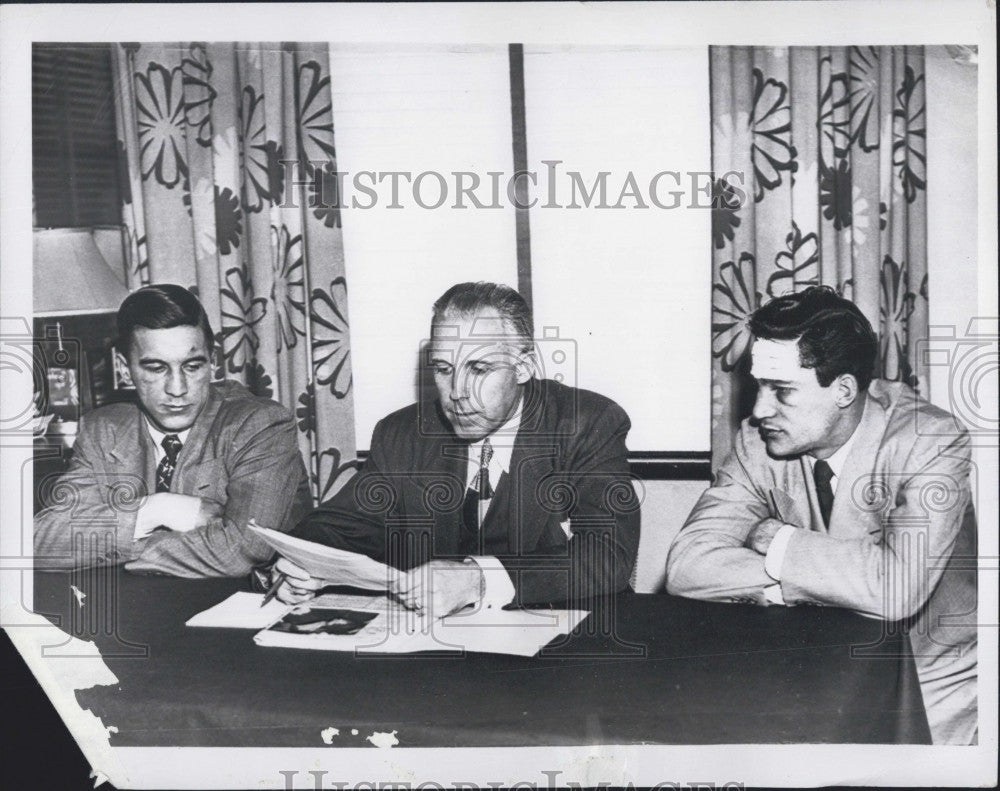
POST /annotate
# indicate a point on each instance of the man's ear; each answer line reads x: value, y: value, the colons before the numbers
x: 525, y: 365
x: 216, y: 360
x: 845, y: 390
x: 123, y: 368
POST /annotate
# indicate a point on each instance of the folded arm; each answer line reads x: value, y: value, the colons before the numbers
x: 709, y: 558
x: 893, y: 573
x: 90, y: 517
x: 266, y: 482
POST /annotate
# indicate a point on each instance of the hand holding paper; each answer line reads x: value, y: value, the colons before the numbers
x: 310, y: 566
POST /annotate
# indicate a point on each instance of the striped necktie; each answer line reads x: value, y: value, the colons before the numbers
x: 470, y: 543
x: 484, y: 488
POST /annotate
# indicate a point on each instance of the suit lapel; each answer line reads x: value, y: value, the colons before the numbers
x: 447, y: 461
x: 197, y: 452
x: 792, y: 501
x: 515, y: 504
x: 533, y: 457
x: 133, y: 456
x: 809, y: 487
x: 847, y: 518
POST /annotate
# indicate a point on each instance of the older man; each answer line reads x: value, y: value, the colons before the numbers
x: 505, y: 488
x: 846, y: 492
x: 167, y: 484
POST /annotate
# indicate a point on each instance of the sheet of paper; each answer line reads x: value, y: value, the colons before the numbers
x: 242, y: 610
x: 337, y: 565
x: 399, y: 631
x: 517, y: 632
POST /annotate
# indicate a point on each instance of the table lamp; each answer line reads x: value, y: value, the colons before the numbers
x: 70, y: 278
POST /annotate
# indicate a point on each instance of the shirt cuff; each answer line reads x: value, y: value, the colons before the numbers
x: 143, y: 529
x: 498, y: 588
x: 776, y: 551
x: 183, y: 511
x: 188, y: 510
x: 773, y: 594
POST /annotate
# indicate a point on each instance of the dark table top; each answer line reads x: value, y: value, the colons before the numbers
x: 648, y: 669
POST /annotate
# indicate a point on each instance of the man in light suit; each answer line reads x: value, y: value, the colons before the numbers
x: 845, y: 492
x: 505, y: 488
x: 167, y: 485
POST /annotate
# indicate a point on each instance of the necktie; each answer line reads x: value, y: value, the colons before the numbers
x: 474, y: 496
x: 485, y: 490
x: 823, y: 476
x: 165, y: 471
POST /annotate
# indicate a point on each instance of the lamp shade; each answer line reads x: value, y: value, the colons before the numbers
x: 71, y: 275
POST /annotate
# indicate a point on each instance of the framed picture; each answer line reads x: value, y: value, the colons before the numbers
x: 121, y: 380
x: 64, y: 393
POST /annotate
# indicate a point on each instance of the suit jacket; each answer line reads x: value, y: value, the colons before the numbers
x: 901, y: 544
x: 568, y: 464
x: 240, y: 452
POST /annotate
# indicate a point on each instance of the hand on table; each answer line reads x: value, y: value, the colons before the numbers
x: 298, y: 585
x: 440, y: 587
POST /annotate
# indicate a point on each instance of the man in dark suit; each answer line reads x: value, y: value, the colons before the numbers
x: 167, y: 485
x: 845, y: 492
x: 505, y: 488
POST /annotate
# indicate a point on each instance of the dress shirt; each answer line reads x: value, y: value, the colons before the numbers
x: 189, y: 505
x: 499, y: 589
x: 158, y: 436
x: 779, y: 544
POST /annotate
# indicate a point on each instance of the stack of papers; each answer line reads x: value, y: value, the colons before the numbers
x: 336, y: 565
x: 377, y: 624
x: 241, y: 611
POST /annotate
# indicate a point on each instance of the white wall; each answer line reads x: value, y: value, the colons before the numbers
x: 629, y: 288
x: 415, y: 109
x: 665, y: 507
x: 952, y: 210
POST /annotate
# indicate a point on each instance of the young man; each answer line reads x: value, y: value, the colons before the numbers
x: 167, y: 485
x: 846, y: 492
x: 503, y: 488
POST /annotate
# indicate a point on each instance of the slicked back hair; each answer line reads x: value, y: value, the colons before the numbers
x: 160, y: 307
x: 468, y: 299
x: 833, y: 335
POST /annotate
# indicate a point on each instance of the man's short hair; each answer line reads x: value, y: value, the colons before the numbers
x: 834, y: 337
x: 161, y: 307
x: 468, y: 299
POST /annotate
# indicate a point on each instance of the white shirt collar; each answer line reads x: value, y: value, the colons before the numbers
x: 158, y: 436
x: 502, y: 442
x: 837, y: 460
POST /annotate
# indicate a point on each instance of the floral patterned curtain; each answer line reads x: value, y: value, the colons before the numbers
x: 228, y: 173
x: 820, y: 170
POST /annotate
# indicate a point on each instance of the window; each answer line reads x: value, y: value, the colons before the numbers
x: 75, y: 148
x: 622, y: 299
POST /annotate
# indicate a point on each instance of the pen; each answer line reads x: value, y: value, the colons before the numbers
x: 273, y: 590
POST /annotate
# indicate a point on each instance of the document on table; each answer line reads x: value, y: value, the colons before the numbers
x: 242, y: 610
x: 376, y: 624
x: 328, y: 563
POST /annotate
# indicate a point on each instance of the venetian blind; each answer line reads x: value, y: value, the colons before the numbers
x: 75, y: 150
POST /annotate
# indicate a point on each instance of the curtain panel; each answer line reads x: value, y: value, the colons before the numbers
x: 820, y: 178
x: 228, y: 173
